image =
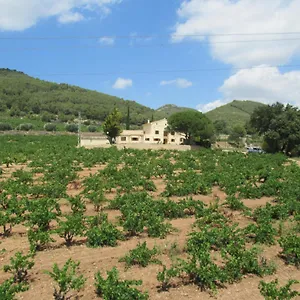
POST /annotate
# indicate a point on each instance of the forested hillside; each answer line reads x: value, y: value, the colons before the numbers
x: 234, y: 113
x: 21, y: 95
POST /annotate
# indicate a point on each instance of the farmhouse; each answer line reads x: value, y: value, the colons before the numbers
x: 152, y: 133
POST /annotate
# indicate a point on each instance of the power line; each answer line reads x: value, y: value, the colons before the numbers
x: 144, y: 36
x: 136, y: 45
x: 157, y: 71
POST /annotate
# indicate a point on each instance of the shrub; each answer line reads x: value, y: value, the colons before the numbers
x: 8, y: 289
x: 291, y: 249
x: 19, y: 266
x: 38, y: 239
x: 271, y: 291
x: 164, y: 277
x: 71, y: 227
x: 141, y: 256
x: 112, y: 288
x: 25, y: 127
x: 104, y: 234
x: 66, y: 279
x: 71, y: 127
x: 92, y: 128
x: 50, y: 127
x: 5, y: 127
x: 263, y: 232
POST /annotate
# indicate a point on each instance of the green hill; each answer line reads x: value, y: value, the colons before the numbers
x: 234, y: 113
x: 24, y: 99
x: 25, y: 96
x: 170, y: 109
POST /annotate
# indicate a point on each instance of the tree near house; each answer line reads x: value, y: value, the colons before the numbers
x: 236, y: 135
x: 280, y: 127
x: 195, y: 125
x: 112, y: 125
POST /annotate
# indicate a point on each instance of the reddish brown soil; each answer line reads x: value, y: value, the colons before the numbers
x: 102, y: 259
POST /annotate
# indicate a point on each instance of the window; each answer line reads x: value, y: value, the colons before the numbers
x: 123, y: 138
x: 172, y: 140
x: 134, y: 139
x: 172, y: 132
x: 156, y: 140
x: 156, y: 131
x: 147, y: 139
x: 181, y: 140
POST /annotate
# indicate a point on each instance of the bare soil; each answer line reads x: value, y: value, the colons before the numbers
x: 103, y: 259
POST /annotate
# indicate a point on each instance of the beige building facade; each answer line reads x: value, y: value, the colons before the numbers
x: 152, y: 133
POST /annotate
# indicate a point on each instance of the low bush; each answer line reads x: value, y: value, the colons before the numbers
x: 66, y: 279
x: 113, y: 288
x: 271, y: 291
x: 141, y: 255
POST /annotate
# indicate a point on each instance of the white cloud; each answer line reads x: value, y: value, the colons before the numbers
x: 179, y: 82
x: 208, y: 18
x: 70, y: 17
x: 266, y: 85
x: 122, y: 83
x: 211, y: 105
x: 19, y: 15
x: 106, y: 40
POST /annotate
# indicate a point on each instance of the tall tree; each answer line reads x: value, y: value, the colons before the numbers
x: 280, y: 127
x: 112, y: 125
x: 236, y: 135
x: 128, y: 118
x: 194, y: 124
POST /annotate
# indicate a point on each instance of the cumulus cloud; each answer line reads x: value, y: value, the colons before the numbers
x: 213, y: 18
x: 70, y: 17
x: 122, y: 83
x: 262, y: 84
x: 107, y: 41
x: 18, y: 15
x: 179, y: 82
x: 211, y: 105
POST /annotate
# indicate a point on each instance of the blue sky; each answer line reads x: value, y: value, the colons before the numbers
x: 120, y: 62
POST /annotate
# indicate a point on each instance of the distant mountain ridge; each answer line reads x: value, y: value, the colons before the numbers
x: 22, y: 95
x: 237, y: 112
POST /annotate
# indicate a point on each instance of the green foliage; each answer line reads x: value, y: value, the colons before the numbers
x: 38, y: 239
x: 235, y: 203
x: 271, y: 291
x: 50, y: 127
x: 71, y: 128
x: 236, y: 135
x: 280, y: 126
x: 165, y: 276
x: 72, y: 226
x: 103, y: 234
x: 5, y: 127
x: 193, y: 124
x: 11, y: 212
x: 8, y: 289
x: 263, y: 232
x: 25, y: 127
x: 141, y: 256
x: 221, y: 127
x: 19, y: 266
x: 291, y: 249
x: 238, y: 112
x: 112, y: 125
x: 113, y: 288
x: 92, y: 128
x: 66, y: 279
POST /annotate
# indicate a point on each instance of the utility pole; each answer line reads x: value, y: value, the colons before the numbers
x: 79, y: 128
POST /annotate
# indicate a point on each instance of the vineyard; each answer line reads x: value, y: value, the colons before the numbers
x: 131, y: 224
